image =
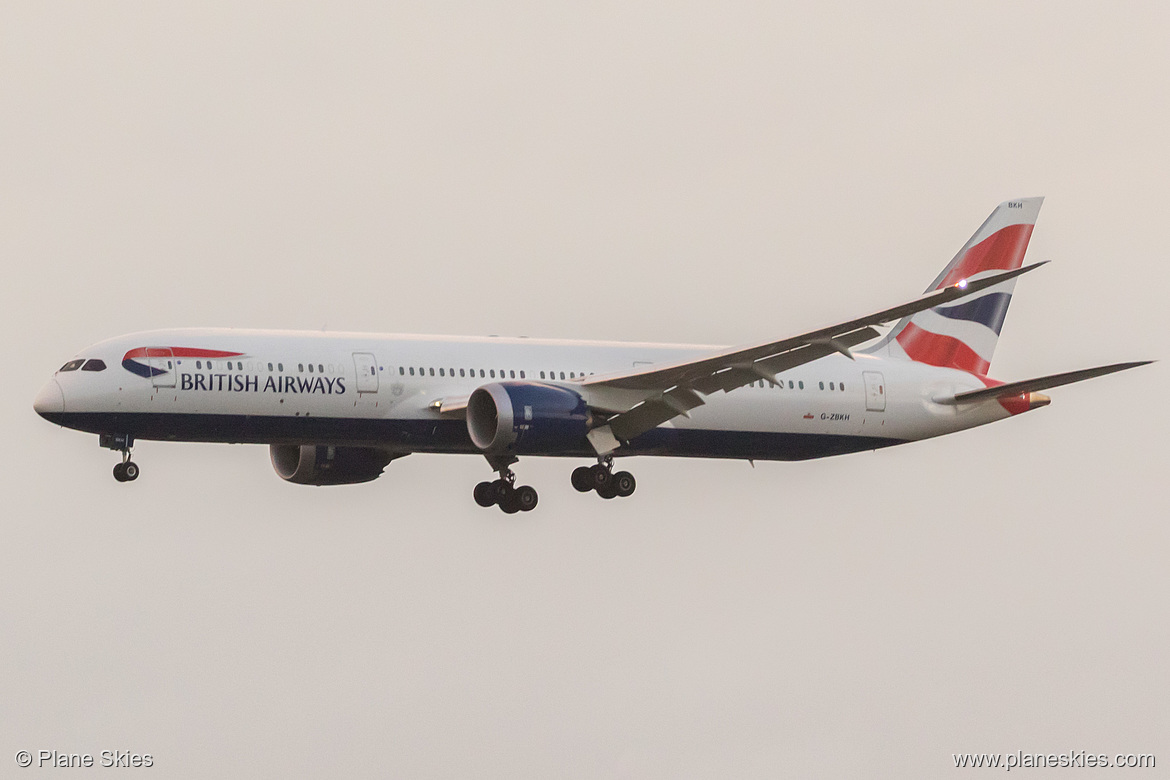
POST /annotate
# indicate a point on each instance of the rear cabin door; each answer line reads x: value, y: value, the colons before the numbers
x: 162, y: 366
x: 367, y: 372
x: 875, y: 391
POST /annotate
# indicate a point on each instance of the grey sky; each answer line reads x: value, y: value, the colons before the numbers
x: 676, y: 171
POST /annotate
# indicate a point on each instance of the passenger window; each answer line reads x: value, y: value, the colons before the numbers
x: 481, y: 373
x: 493, y: 373
x: 96, y: 365
x: 310, y: 368
x: 412, y: 370
x: 269, y: 366
x: 542, y: 375
x: 822, y: 385
x: 72, y: 365
x: 280, y: 367
x: 441, y: 372
x: 401, y: 371
x: 198, y: 364
x: 432, y: 372
x: 320, y: 368
x: 461, y: 372
x: 572, y: 375
x: 512, y: 373
x: 831, y: 386
x: 522, y: 375
x: 562, y: 375
x: 801, y: 384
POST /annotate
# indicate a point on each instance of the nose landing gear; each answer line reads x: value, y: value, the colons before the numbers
x: 504, y: 493
x: 127, y: 470
x: 602, y: 479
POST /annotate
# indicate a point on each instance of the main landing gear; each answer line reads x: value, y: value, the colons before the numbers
x: 127, y: 470
x: 503, y: 491
x: 602, y: 479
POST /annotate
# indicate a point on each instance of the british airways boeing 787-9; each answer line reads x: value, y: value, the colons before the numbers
x: 336, y: 408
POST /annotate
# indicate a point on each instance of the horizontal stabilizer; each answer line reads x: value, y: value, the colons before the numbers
x: 1040, y: 383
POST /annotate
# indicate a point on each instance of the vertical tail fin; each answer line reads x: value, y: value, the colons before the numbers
x: 963, y: 334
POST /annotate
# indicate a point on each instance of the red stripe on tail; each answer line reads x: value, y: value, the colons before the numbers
x: 937, y: 350
x: 1003, y: 250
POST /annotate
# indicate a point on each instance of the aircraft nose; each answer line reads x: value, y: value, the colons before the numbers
x: 50, y: 400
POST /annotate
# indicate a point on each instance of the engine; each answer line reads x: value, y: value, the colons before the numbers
x: 318, y: 464
x: 527, y: 418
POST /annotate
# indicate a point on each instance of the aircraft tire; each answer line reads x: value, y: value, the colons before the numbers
x: 624, y: 484
x: 526, y: 498
x: 120, y: 472
x: 130, y: 470
x: 485, y: 494
x: 601, y: 477
x: 582, y: 479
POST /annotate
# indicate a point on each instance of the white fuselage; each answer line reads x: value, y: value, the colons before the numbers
x: 286, y: 387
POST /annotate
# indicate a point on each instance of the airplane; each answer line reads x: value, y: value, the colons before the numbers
x: 337, y: 408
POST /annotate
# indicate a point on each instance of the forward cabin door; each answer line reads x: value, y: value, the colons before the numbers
x: 162, y: 366
x: 875, y: 391
x: 367, y: 372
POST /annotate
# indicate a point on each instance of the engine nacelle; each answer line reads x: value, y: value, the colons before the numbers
x: 318, y: 464
x: 527, y: 418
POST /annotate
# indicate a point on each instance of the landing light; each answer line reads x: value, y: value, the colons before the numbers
x: 962, y: 285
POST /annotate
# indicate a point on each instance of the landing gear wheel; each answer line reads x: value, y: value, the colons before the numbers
x: 600, y: 477
x: 609, y: 491
x: 130, y: 470
x: 624, y: 483
x: 503, y: 490
x: 485, y: 494
x: 510, y: 505
x: 120, y: 472
x: 582, y: 479
x: 525, y: 498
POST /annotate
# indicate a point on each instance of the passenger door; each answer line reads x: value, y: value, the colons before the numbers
x: 875, y: 391
x: 162, y: 366
x: 367, y: 372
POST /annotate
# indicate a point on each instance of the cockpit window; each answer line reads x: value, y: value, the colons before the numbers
x: 94, y: 365
x: 72, y: 365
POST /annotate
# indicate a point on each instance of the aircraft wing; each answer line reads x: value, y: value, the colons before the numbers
x: 643, y: 399
x: 1040, y: 383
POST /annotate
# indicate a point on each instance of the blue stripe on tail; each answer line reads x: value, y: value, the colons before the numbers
x: 989, y: 310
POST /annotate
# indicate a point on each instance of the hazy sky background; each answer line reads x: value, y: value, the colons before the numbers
x: 697, y: 172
